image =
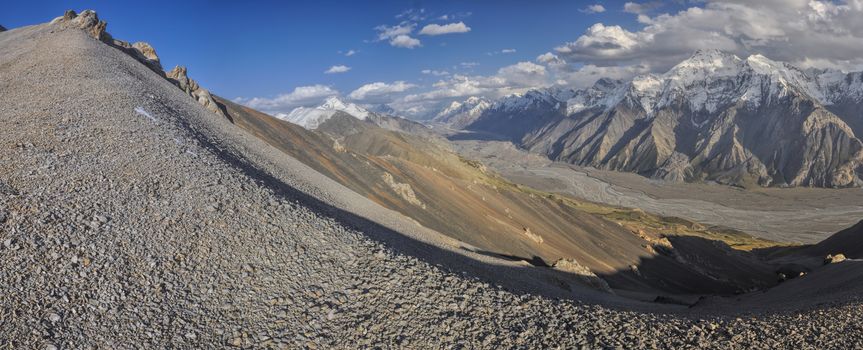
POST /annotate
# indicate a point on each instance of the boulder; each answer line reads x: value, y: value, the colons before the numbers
x: 834, y: 259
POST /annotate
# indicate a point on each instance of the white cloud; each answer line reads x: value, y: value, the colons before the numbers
x: 641, y: 8
x: 301, y: 96
x: 414, y: 15
x: 518, y: 77
x: 351, y: 53
x: 451, y: 28
x: 390, y: 32
x: 547, y: 58
x: 337, y: 69
x: 514, y: 78
x: 436, y: 73
x: 595, y: 8
x: 405, y: 41
x: 379, y: 91
x: 822, y: 33
x: 524, y: 74
x: 504, y: 51
x: 468, y: 65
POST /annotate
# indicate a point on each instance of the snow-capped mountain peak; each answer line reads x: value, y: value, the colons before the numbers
x: 458, y: 114
x: 704, y: 64
x: 312, y: 117
x: 337, y: 104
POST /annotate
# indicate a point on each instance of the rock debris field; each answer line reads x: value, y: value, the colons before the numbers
x: 132, y: 217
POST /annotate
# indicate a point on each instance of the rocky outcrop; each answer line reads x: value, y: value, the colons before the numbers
x: 834, y: 259
x: 180, y: 78
x: 584, y: 274
x: 142, y: 52
x: 405, y: 191
x: 87, y: 21
x: 2, y: 29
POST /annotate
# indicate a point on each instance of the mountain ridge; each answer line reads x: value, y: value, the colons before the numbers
x: 712, y: 117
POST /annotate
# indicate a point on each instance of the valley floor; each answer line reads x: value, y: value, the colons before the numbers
x: 795, y: 215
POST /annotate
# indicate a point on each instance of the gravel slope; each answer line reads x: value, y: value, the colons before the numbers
x: 131, y: 217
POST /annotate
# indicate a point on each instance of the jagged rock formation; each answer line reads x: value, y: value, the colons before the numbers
x: 142, y: 52
x: 179, y: 77
x: 713, y: 117
x: 87, y: 21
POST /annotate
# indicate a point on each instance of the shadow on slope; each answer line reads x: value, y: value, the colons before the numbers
x: 534, y: 278
x: 456, y: 197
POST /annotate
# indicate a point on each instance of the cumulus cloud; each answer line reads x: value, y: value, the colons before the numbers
x: 300, y: 96
x: 524, y: 74
x: 595, y: 8
x: 379, y: 91
x: 337, y: 69
x: 405, y: 41
x: 823, y: 33
x: 451, y: 28
x: 547, y: 58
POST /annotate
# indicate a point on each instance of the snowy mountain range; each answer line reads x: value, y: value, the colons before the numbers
x: 459, y: 114
x: 714, y: 117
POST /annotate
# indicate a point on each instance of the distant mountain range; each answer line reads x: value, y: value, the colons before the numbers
x: 713, y: 117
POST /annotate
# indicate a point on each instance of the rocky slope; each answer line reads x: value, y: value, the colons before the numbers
x: 423, y: 179
x: 713, y: 117
x: 130, y: 215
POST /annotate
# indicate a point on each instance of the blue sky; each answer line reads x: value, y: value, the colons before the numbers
x: 266, y: 49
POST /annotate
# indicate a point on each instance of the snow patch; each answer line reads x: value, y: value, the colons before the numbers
x: 141, y: 111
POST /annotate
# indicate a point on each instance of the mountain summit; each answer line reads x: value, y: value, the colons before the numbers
x: 712, y: 117
x: 312, y: 117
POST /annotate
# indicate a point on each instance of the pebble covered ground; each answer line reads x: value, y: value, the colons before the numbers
x: 130, y: 217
